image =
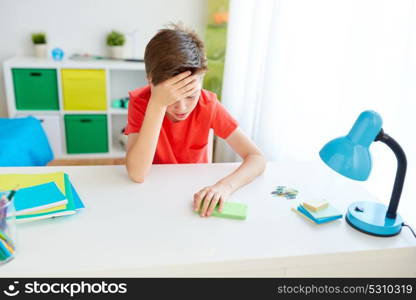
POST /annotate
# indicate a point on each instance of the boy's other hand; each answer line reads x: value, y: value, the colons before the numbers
x: 174, y: 89
x: 209, y: 197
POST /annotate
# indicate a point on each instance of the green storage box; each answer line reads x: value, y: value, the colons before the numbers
x: 35, y: 89
x: 86, y: 133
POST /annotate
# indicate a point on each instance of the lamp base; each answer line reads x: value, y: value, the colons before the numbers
x: 370, y: 217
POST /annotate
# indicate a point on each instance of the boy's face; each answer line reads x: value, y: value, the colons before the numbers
x: 180, y: 110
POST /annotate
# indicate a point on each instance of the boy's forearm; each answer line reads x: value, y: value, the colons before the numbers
x: 139, y: 157
x: 251, y: 167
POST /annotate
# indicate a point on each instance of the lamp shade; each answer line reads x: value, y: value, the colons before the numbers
x: 349, y: 155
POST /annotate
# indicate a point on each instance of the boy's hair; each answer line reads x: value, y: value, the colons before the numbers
x: 172, y: 51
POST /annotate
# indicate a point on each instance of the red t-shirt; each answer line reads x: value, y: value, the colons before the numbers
x: 184, y: 141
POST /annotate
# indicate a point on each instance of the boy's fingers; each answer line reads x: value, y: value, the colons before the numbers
x: 192, y: 87
x: 206, y: 203
x: 213, y: 204
x: 179, y: 77
x: 185, y: 81
x: 183, y: 88
x: 198, y: 198
x: 197, y: 201
x: 192, y: 91
x: 221, y: 205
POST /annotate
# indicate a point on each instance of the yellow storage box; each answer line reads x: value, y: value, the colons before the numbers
x: 84, y: 89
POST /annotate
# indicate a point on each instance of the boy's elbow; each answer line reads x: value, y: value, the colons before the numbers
x: 135, y: 176
x: 262, y: 163
x: 137, y: 179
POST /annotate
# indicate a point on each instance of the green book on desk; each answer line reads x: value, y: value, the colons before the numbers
x: 231, y: 210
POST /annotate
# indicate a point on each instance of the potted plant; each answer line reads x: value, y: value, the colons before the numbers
x: 40, y: 44
x: 115, y: 42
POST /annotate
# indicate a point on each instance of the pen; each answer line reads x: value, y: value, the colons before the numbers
x: 11, y: 195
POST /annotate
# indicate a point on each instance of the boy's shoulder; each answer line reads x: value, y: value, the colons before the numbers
x: 140, y: 93
x: 208, y: 96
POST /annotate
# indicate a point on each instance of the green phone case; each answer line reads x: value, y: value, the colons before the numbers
x: 231, y: 210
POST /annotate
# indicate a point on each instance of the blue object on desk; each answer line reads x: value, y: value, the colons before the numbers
x: 77, y: 200
x: 320, y: 220
x: 23, y: 142
x: 350, y: 156
x: 38, y: 197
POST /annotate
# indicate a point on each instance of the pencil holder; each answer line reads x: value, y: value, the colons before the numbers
x: 7, y: 229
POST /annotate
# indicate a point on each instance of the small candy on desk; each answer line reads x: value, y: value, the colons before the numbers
x: 283, y: 191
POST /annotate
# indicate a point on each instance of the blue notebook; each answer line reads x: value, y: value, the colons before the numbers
x: 38, y: 197
x: 77, y: 200
x: 74, y: 204
x: 305, y: 212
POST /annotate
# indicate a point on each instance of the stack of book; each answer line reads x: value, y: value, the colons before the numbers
x: 317, y: 211
x: 41, y: 196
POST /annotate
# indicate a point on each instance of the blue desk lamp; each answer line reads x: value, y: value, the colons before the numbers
x: 350, y: 156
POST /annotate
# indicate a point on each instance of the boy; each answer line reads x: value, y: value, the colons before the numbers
x: 169, y: 120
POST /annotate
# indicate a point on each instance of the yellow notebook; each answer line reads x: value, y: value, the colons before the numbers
x: 10, y: 181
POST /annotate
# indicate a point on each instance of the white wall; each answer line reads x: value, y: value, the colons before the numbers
x: 80, y: 26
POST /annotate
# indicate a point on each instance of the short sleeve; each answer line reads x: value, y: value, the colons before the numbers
x: 223, y: 123
x: 136, y: 112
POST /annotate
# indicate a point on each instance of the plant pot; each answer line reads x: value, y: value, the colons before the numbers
x: 41, y: 50
x: 117, y: 52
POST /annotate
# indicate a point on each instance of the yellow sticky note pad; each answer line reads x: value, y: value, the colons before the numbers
x: 315, y: 205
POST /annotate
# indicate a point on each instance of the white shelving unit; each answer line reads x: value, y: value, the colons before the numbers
x: 121, y: 77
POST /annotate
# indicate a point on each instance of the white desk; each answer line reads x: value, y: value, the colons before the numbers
x: 149, y: 229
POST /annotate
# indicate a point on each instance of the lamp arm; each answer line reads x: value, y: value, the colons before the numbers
x: 400, y: 174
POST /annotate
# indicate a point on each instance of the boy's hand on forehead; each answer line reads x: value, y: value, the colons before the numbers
x: 175, y: 89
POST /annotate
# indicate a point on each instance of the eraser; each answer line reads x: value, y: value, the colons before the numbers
x: 231, y: 210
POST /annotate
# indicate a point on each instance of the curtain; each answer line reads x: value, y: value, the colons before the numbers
x: 299, y: 72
